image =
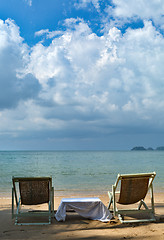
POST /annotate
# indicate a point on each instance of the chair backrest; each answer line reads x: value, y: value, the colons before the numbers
x: 34, y: 191
x: 134, y: 187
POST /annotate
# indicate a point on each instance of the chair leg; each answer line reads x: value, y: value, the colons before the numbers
x: 115, y: 211
x: 110, y: 199
x: 152, y: 199
x: 121, y: 218
x: 17, y: 212
x: 50, y: 213
x: 52, y: 202
x: 12, y: 203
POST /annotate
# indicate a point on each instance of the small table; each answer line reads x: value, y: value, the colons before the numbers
x: 91, y: 208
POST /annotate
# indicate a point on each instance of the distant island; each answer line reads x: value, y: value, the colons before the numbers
x: 141, y: 148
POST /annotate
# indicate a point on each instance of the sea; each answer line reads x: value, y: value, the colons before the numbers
x: 91, y: 172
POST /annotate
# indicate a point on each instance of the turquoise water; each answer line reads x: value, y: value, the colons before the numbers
x: 79, y: 170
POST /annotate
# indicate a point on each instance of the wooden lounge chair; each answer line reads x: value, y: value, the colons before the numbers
x: 32, y: 191
x: 133, y: 189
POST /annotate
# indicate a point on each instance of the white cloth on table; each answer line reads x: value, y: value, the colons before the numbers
x: 91, y: 208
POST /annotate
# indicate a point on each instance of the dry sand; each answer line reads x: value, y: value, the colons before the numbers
x: 77, y: 227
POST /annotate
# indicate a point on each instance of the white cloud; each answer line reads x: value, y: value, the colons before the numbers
x: 49, y: 34
x: 129, y: 8
x: 127, y: 11
x: 13, y: 57
x: 142, y: 8
x: 90, y: 81
x: 29, y: 2
x: 84, y: 67
x: 84, y: 3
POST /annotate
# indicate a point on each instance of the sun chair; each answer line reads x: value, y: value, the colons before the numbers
x: 32, y: 191
x: 133, y: 189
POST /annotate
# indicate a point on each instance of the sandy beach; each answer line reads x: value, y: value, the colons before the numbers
x: 77, y: 227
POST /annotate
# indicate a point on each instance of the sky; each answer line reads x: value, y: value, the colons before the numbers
x: 81, y: 74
